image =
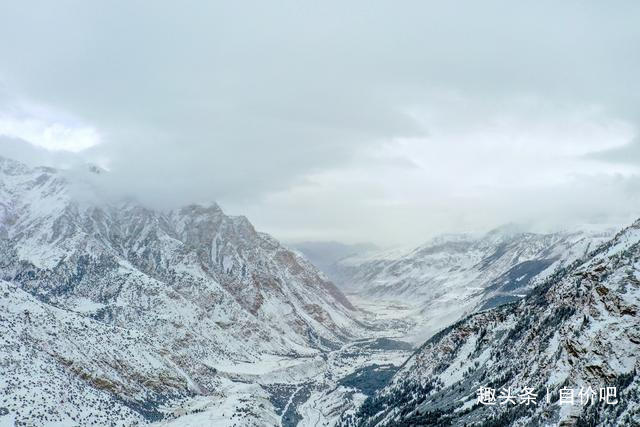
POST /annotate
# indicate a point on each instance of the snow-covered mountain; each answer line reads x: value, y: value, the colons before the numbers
x: 127, y: 308
x: 572, y: 343
x: 457, y: 274
x: 113, y: 313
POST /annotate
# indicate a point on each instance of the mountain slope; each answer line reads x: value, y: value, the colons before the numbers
x: 457, y: 274
x: 578, y: 329
x: 205, y: 287
x: 60, y: 366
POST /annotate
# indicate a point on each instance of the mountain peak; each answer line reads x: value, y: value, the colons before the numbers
x: 12, y: 167
x: 508, y: 229
x: 95, y: 169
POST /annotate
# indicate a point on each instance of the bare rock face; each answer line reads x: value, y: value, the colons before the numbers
x: 143, y: 304
x: 576, y: 331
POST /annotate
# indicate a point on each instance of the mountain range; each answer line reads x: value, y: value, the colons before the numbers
x: 117, y: 313
x: 127, y: 308
x: 456, y: 274
x: 572, y: 343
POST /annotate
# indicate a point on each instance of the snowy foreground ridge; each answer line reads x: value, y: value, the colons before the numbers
x: 577, y: 332
x: 112, y: 313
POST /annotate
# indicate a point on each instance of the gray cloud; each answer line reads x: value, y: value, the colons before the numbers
x: 31, y: 155
x: 626, y: 154
x: 312, y: 116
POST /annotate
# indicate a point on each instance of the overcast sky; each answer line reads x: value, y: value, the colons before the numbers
x: 354, y: 121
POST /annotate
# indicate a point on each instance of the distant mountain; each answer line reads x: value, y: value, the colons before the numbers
x: 457, y: 274
x: 574, y: 342
x: 326, y: 255
x: 126, y: 308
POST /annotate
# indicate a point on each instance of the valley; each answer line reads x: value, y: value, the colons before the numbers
x: 313, y: 391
